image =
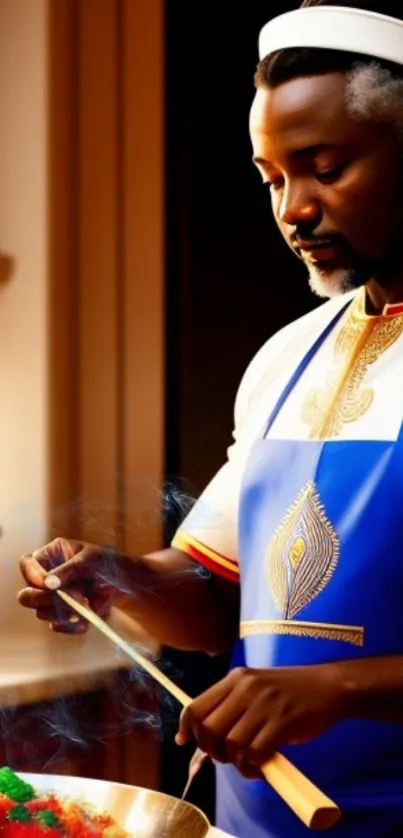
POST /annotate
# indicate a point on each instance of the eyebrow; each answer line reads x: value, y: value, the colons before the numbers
x: 260, y: 161
x: 302, y: 152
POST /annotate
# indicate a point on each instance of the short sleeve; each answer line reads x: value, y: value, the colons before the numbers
x: 209, y: 533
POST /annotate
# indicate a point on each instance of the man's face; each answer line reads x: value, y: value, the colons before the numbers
x: 333, y: 182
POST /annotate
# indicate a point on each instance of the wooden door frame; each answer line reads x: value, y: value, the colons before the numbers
x: 106, y: 292
x: 106, y: 267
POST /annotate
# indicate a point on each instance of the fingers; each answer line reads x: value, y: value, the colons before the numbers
x: 69, y: 627
x: 192, y: 716
x: 249, y: 755
x: 71, y: 570
x: 263, y: 745
x: 35, y: 598
x: 61, y: 618
x: 72, y: 624
x: 81, y: 568
x: 89, y: 568
x: 62, y: 563
x: 213, y: 732
x: 230, y: 735
x: 231, y: 725
x: 55, y: 567
x: 53, y: 610
x: 239, y: 740
x: 35, y: 567
x: 33, y: 571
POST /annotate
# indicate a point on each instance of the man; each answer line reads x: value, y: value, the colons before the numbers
x: 305, y: 513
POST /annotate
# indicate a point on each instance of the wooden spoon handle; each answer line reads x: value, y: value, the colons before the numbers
x: 313, y: 808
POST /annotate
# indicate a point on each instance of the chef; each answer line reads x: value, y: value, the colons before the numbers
x: 293, y: 555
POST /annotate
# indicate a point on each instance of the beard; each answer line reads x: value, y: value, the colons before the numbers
x: 330, y: 284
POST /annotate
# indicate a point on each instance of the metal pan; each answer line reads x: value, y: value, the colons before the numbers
x: 142, y: 812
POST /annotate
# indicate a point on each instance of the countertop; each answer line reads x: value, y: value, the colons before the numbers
x: 38, y: 665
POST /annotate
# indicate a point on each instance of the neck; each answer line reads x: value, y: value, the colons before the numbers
x: 379, y: 296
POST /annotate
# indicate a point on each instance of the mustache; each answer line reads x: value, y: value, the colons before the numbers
x: 303, y: 238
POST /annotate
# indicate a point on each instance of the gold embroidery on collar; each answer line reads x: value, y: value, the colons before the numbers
x: 302, y: 555
x: 342, y: 400
x: 354, y: 635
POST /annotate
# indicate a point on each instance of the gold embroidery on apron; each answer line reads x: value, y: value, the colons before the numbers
x: 302, y: 555
x: 342, y: 400
x: 301, y: 559
x: 354, y: 635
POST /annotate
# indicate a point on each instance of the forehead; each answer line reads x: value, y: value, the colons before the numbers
x: 302, y: 112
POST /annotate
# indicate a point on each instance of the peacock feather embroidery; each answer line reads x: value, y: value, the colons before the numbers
x: 302, y: 555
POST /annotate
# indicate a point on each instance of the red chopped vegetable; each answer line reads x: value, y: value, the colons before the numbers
x: 24, y: 814
x: 28, y: 830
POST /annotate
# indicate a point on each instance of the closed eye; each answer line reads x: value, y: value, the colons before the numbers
x: 273, y: 185
x: 330, y: 175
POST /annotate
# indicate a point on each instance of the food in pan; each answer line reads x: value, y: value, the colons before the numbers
x: 25, y: 813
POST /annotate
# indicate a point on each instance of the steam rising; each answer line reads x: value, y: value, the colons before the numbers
x: 172, y: 505
x: 64, y: 725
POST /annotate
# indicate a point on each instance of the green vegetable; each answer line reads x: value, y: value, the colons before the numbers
x: 47, y: 818
x: 13, y: 787
x: 19, y: 814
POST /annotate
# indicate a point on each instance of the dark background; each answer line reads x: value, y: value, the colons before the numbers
x: 231, y: 281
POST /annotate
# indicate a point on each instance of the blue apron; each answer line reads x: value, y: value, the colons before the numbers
x: 321, y: 566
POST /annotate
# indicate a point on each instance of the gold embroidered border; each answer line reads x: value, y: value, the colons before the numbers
x: 354, y: 635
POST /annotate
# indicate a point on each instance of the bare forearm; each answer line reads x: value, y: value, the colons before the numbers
x: 180, y: 604
x: 372, y: 688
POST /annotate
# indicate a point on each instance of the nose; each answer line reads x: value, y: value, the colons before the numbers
x: 298, y: 206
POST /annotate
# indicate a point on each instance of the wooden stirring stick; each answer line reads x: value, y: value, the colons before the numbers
x: 313, y: 808
x: 126, y: 647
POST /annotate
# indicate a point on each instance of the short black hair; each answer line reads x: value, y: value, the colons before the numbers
x: 287, y: 64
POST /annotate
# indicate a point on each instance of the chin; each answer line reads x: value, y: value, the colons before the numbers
x: 333, y: 283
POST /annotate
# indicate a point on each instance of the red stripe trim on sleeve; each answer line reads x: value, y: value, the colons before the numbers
x: 202, y: 554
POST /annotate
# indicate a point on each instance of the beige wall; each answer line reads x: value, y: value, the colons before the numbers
x: 81, y: 318
x: 23, y: 300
